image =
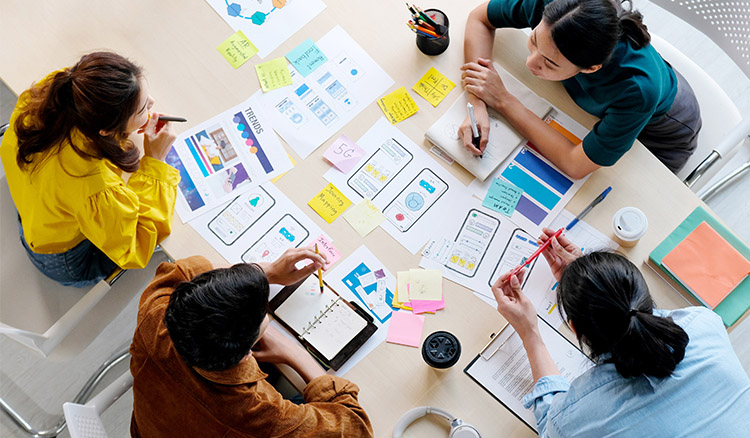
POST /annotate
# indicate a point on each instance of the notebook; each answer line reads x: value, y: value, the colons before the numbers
x: 708, y: 266
x: 503, y: 138
x: 734, y: 305
x: 330, y: 327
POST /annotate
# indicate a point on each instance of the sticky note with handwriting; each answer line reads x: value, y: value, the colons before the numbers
x: 398, y: 105
x: 329, y: 203
x: 306, y: 57
x: 364, y: 217
x: 273, y: 74
x: 425, y: 284
x: 326, y: 247
x: 502, y: 197
x: 237, y: 49
x: 344, y: 154
x: 433, y: 86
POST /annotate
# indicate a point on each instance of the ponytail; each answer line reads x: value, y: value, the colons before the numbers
x: 606, y: 299
x: 587, y: 31
x: 100, y: 93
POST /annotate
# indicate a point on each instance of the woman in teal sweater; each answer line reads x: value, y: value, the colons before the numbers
x: 602, y: 55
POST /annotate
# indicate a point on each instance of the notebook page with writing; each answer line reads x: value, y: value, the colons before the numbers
x: 334, y: 329
x: 305, y: 305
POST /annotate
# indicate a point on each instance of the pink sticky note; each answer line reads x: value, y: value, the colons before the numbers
x: 344, y: 154
x: 422, y: 306
x: 405, y: 328
x: 326, y: 247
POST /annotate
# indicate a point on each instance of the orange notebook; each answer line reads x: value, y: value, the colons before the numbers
x: 707, y: 265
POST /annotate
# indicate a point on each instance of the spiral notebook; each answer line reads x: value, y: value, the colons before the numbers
x: 330, y: 327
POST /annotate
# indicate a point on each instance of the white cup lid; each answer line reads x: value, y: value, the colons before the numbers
x: 630, y: 223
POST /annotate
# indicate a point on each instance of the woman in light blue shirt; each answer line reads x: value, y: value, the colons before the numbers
x: 658, y: 374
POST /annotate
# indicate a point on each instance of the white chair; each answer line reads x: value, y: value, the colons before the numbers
x: 726, y: 23
x: 84, y: 421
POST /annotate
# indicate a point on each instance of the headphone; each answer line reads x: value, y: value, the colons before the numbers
x: 459, y: 429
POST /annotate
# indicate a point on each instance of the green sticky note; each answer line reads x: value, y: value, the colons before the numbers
x: 502, y: 197
x: 237, y: 49
x: 306, y: 57
x: 273, y: 74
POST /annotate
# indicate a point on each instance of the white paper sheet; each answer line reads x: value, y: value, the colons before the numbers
x: 416, y: 194
x: 224, y: 157
x: 315, y: 107
x: 585, y: 236
x: 264, y: 24
x: 547, y: 189
x: 257, y: 226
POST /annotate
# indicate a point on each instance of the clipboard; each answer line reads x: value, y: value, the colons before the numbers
x: 318, y: 321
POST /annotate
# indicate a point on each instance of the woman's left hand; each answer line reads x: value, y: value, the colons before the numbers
x: 514, y: 305
x: 482, y: 80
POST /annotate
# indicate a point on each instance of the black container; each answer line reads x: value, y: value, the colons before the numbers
x: 435, y: 46
x: 441, y: 350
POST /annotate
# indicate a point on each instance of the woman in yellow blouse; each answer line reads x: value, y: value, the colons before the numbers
x: 64, y: 154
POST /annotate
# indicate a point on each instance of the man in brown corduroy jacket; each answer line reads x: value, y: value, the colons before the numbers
x: 195, y: 375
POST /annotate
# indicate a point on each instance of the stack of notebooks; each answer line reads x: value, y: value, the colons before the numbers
x: 707, y: 260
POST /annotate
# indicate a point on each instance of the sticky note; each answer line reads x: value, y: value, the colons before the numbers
x: 306, y: 57
x: 364, y: 217
x: 405, y: 329
x: 422, y: 306
x: 433, y: 86
x: 398, y: 105
x: 502, y: 197
x: 402, y: 285
x: 237, y: 49
x: 273, y: 74
x: 329, y: 203
x: 326, y: 247
x: 425, y: 284
x: 344, y: 154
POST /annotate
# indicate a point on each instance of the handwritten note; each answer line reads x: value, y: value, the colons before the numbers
x: 425, y: 284
x: 344, y: 154
x: 326, y: 247
x: 306, y: 57
x: 273, y: 74
x: 405, y: 329
x: 364, y: 217
x: 329, y: 203
x: 237, y: 49
x: 502, y: 197
x: 398, y: 105
x: 433, y: 86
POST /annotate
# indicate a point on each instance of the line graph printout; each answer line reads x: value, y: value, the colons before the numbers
x: 267, y: 23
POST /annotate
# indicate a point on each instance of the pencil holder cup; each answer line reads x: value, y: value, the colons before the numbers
x: 441, y: 350
x: 430, y: 45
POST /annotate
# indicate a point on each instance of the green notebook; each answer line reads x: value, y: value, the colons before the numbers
x: 736, y: 303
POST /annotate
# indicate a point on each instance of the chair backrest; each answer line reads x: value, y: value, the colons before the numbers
x: 84, y: 421
x: 726, y: 22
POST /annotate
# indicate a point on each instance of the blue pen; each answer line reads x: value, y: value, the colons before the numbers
x: 588, y: 208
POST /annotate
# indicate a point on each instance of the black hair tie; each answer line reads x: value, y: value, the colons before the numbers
x: 632, y: 312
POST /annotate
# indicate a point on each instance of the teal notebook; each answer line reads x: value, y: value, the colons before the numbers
x: 738, y: 301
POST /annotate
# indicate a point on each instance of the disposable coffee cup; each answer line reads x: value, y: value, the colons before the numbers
x: 629, y: 225
x: 435, y: 46
x: 441, y: 350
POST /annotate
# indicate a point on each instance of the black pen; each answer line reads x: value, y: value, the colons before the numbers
x: 172, y: 119
x: 588, y: 208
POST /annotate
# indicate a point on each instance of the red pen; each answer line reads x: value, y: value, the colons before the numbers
x: 539, y: 250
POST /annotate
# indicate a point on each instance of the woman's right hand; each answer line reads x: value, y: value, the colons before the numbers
x: 560, y: 253
x: 514, y: 305
x: 466, y: 134
x: 158, y: 137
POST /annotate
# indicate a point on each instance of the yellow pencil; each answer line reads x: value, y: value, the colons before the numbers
x: 320, y: 274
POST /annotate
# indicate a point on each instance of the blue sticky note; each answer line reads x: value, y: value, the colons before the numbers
x: 306, y: 57
x: 502, y: 197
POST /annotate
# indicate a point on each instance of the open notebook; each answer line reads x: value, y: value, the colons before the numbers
x: 503, y: 138
x: 326, y: 324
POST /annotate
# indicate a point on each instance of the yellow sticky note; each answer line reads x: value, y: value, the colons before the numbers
x: 278, y: 177
x: 237, y: 49
x: 402, y: 286
x: 425, y: 284
x: 329, y: 203
x: 433, y: 86
x: 273, y: 74
x: 398, y: 105
x: 364, y: 217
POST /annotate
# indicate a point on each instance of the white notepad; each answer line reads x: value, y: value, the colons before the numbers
x: 503, y: 138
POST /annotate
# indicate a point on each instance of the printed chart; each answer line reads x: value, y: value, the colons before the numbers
x: 267, y: 23
x: 316, y: 106
x: 224, y: 157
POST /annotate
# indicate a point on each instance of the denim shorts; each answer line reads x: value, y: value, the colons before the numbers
x: 81, y: 266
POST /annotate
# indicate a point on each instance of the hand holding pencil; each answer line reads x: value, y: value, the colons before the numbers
x: 559, y: 251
